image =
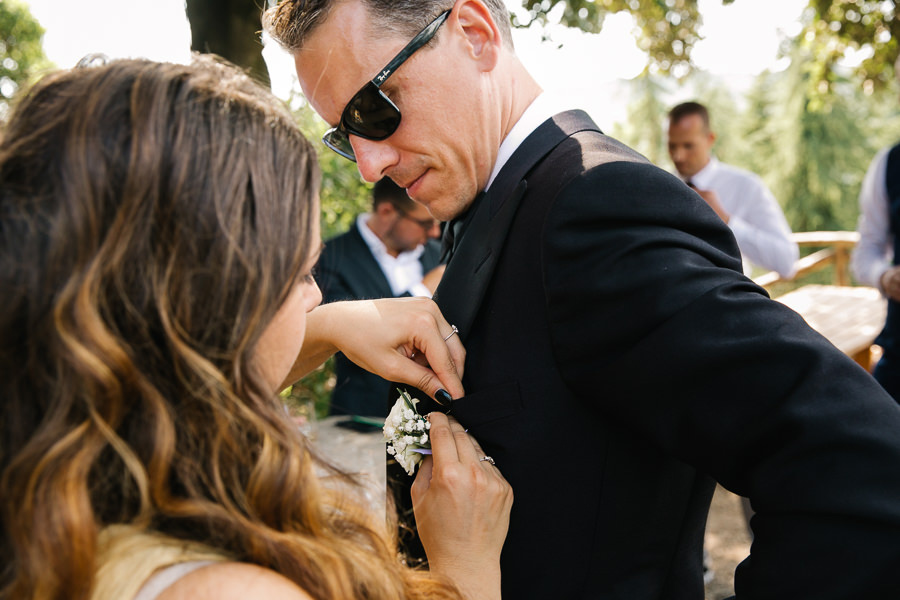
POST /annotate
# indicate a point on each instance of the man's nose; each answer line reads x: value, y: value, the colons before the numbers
x: 434, y: 231
x: 373, y: 159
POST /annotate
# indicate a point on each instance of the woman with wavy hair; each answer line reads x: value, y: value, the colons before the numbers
x: 158, y: 224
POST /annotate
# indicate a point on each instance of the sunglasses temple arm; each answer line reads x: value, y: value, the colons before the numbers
x: 414, y: 44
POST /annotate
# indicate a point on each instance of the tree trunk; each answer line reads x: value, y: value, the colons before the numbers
x: 231, y: 29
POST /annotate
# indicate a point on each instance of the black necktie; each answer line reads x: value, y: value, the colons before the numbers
x: 455, y: 229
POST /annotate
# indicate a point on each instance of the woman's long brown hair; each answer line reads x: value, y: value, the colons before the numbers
x: 153, y: 218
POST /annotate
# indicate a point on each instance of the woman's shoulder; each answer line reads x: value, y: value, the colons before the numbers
x: 131, y: 557
x: 233, y: 580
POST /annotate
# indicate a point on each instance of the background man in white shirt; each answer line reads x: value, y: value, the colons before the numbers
x: 739, y: 197
x: 874, y: 260
x: 390, y: 252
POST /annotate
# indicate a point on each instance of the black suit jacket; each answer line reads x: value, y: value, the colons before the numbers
x: 618, y: 362
x: 347, y: 270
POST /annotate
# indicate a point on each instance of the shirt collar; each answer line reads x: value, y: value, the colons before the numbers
x: 703, y: 178
x: 377, y: 247
x: 542, y: 108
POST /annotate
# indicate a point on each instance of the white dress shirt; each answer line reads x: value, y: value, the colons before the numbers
x: 404, y: 271
x: 874, y: 253
x: 757, y: 221
x: 541, y: 108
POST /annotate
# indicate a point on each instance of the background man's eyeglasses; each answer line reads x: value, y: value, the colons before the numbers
x: 370, y: 114
x: 426, y: 224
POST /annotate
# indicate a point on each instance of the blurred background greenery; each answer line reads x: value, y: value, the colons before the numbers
x: 809, y: 130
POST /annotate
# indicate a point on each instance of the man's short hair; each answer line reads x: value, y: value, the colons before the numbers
x: 291, y: 22
x: 686, y: 109
x: 385, y: 190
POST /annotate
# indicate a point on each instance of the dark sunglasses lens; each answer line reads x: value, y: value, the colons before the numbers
x: 338, y: 141
x: 371, y: 114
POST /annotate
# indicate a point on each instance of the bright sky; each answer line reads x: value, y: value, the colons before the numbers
x: 740, y: 39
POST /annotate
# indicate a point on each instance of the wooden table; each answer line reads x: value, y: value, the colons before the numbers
x: 849, y: 317
x: 361, y: 453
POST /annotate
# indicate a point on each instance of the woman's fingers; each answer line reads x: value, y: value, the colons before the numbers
x: 461, y: 505
x: 422, y: 331
x: 423, y: 479
x: 443, y: 353
x: 436, y: 383
x: 457, y: 355
x: 390, y: 337
x: 467, y: 449
x: 455, y: 445
x: 443, y: 443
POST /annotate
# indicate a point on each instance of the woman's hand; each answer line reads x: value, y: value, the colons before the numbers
x: 462, y: 505
x: 399, y: 339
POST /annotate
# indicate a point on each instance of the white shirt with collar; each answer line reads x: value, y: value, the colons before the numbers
x: 404, y: 271
x: 874, y: 253
x: 757, y: 221
x: 541, y: 108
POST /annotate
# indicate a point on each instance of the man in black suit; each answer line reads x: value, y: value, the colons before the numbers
x: 390, y: 252
x: 618, y: 361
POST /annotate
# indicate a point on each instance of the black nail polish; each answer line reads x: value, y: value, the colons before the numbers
x: 443, y: 398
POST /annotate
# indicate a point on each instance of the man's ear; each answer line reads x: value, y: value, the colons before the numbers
x: 385, y: 209
x: 482, y: 34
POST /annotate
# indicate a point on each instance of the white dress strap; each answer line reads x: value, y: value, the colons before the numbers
x: 165, y: 577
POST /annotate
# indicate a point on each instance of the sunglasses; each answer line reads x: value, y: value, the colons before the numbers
x: 370, y: 114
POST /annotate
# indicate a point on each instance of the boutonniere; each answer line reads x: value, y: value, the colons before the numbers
x: 406, y: 433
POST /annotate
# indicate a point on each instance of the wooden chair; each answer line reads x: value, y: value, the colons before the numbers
x: 849, y: 316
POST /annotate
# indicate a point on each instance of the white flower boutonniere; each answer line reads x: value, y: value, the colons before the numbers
x: 406, y: 433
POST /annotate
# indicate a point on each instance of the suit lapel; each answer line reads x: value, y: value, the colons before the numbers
x: 471, y: 267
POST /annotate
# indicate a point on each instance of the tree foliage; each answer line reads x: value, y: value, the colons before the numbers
x: 668, y: 30
x: 21, y: 52
x: 814, y: 151
x: 665, y: 30
x: 643, y: 129
x: 344, y: 194
x: 868, y: 26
